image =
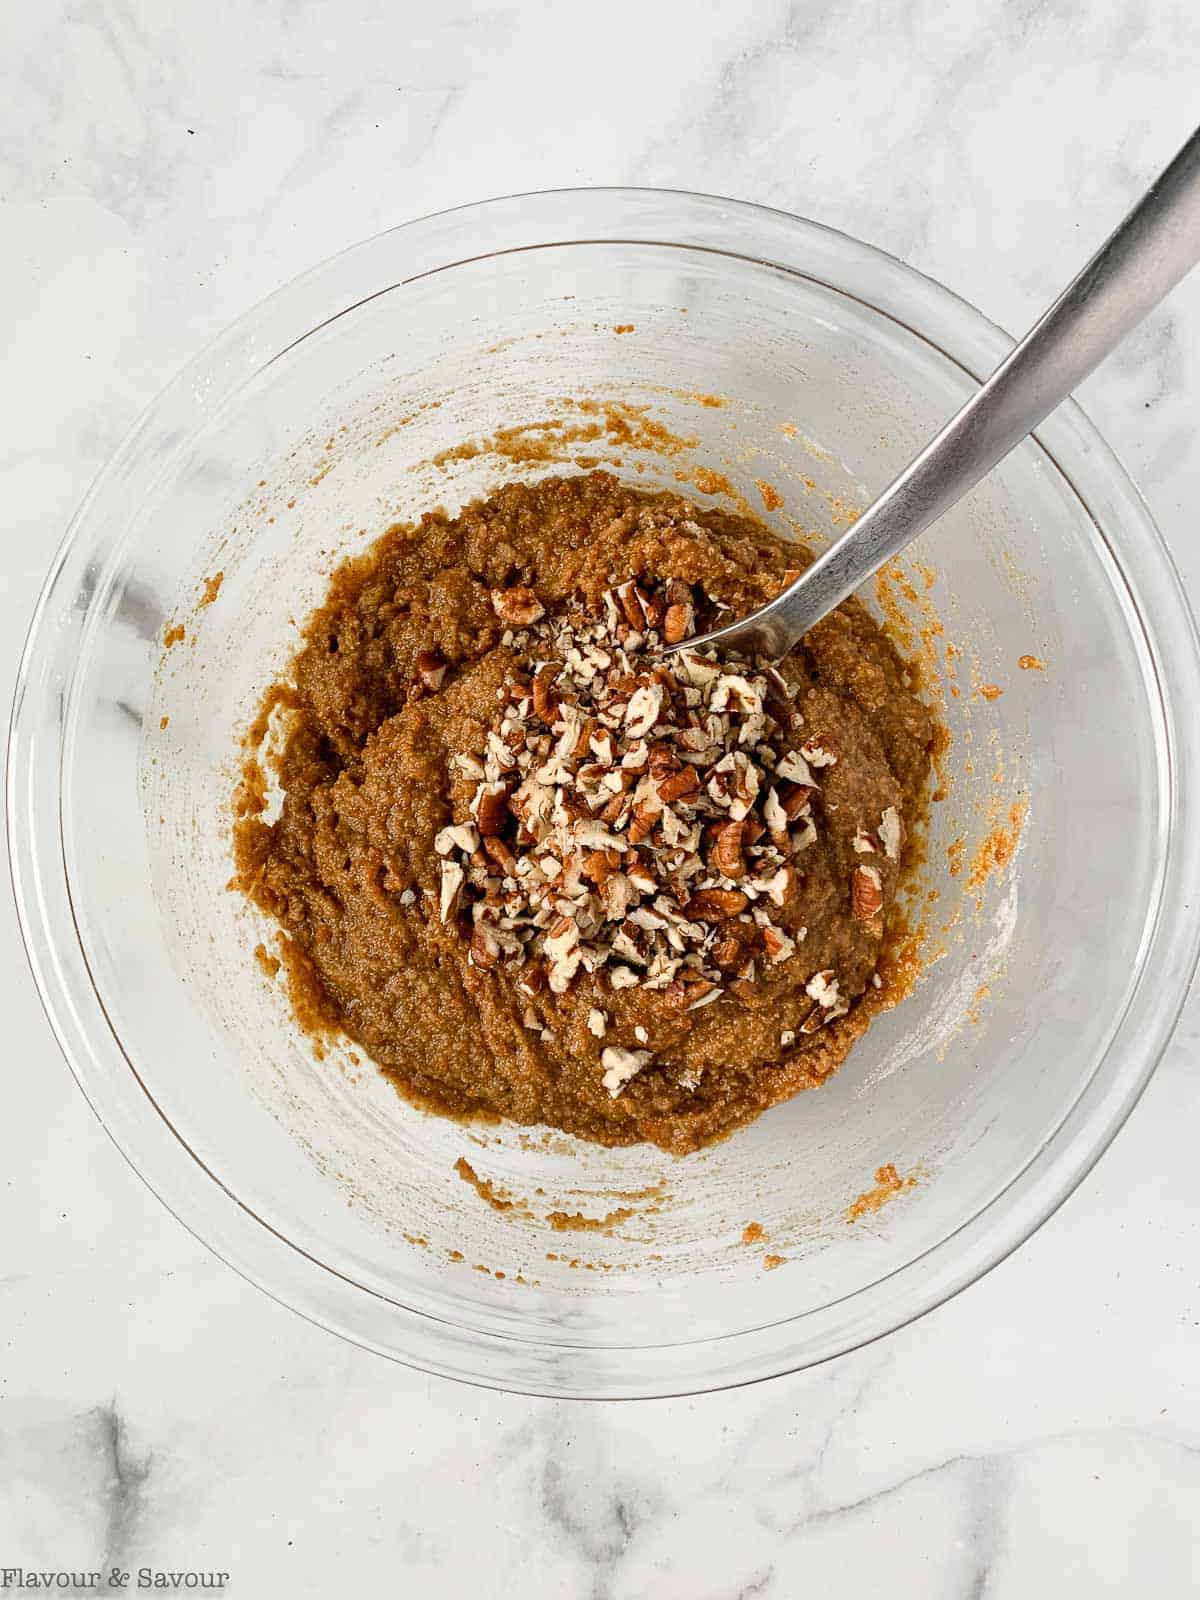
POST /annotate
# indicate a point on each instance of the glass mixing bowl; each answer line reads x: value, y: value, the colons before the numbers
x: 663, y: 334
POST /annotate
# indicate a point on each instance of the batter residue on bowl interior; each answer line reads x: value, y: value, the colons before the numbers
x: 888, y: 1184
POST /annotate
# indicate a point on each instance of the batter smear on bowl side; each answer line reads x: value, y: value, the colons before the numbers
x: 539, y: 872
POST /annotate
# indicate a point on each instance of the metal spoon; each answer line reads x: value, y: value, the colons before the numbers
x: 1157, y: 244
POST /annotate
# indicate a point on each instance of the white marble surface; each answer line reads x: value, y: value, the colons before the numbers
x: 165, y: 163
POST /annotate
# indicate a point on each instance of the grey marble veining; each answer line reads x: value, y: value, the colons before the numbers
x: 162, y: 168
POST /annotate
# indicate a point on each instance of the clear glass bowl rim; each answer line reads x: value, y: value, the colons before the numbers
x: 111, y: 1081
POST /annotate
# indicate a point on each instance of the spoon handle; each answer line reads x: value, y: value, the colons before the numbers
x: 1155, y: 246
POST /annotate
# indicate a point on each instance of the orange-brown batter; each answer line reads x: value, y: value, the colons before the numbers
x: 417, y: 939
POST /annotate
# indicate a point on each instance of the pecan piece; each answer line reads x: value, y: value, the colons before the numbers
x: 620, y: 1066
x: 726, y: 854
x: 679, y: 621
x: 501, y: 855
x: 780, y: 887
x: 641, y: 823
x: 633, y: 604
x: 814, y: 1020
x: 654, y: 606
x: 890, y: 832
x: 642, y: 878
x: 678, y: 784
x: 866, y: 893
x: 661, y: 760
x: 793, y: 797
x: 576, y: 808
x: 754, y: 830
x: 545, y: 701
x: 599, y: 865
x: 583, y: 742
x: 683, y: 993
x: 716, y: 905
x: 643, y: 711
x: 453, y: 878
x: 492, y: 811
x: 817, y: 753
x: 430, y: 670
x: 518, y: 607
x: 485, y: 952
x: 533, y: 979
x: 778, y: 944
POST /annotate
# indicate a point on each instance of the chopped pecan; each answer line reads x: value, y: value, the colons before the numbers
x: 430, y: 670
x: 776, y: 819
x: 866, y: 893
x: 632, y: 605
x: 583, y: 743
x: 576, y: 808
x: 598, y: 865
x: 594, y: 738
x: 643, y: 711
x: 620, y: 1066
x: 453, y: 878
x: 492, y: 812
x: 793, y: 797
x: 716, y: 905
x: 890, y: 832
x: 642, y: 878
x: 727, y: 952
x: 780, y: 887
x: 817, y: 752
x: 461, y: 836
x: 501, y: 855
x: 778, y: 944
x: 793, y: 768
x: 814, y: 1020
x: 485, y: 952
x: 726, y: 854
x: 754, y: 830
x: 654, y: 606
x: 519, y: 607
x: 678, y: 784
x: 545, y: 701
x: 678, y: 622
x: 641, y: 823
x: 823, y: 988
x: 683, y: 993
x: 661, y: 760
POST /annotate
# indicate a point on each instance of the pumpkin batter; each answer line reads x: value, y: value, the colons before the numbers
x: 668, y: 989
